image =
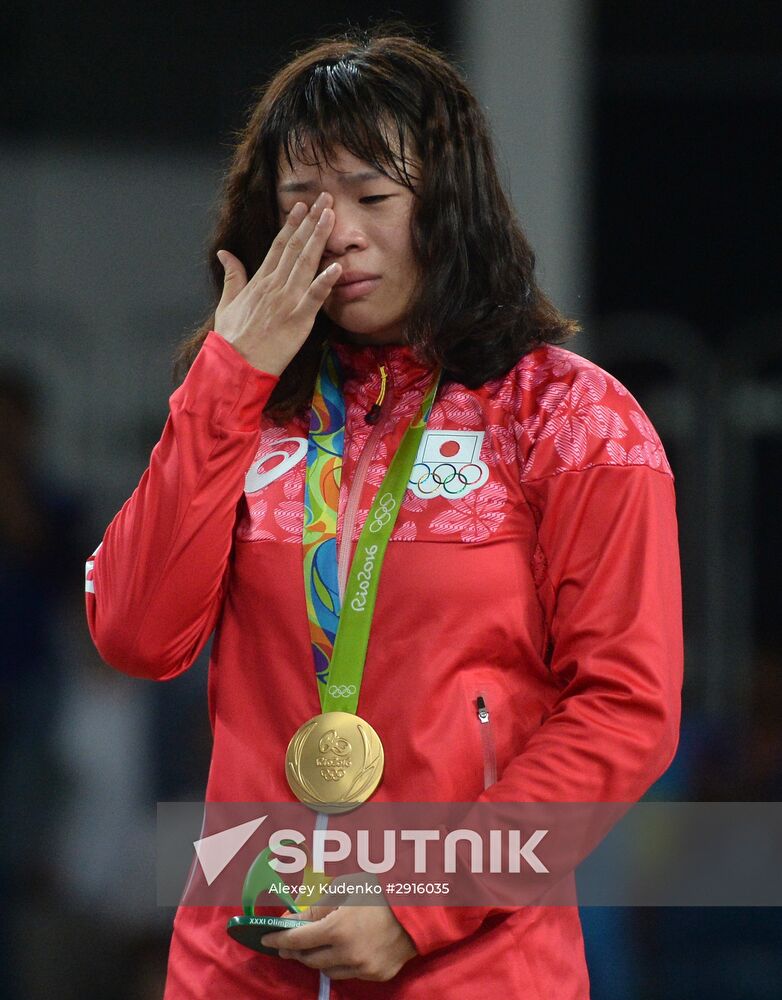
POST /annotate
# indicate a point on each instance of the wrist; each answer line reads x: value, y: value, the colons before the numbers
x: 264, y: 364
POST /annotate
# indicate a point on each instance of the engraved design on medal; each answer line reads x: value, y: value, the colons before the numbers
x: 334, y: 762
x: 366, y: 780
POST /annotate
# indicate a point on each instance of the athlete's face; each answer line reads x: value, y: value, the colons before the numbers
x: 371, y: 237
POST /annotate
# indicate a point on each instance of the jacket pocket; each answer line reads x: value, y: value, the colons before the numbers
x: 484, y: 722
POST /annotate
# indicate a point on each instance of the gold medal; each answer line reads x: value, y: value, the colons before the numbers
x: 334, y: 762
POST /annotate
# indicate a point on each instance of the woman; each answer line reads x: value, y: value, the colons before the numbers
x: 530, y: 588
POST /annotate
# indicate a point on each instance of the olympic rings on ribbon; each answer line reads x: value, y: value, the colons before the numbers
x: 382, y: 516
x: 342, y: 690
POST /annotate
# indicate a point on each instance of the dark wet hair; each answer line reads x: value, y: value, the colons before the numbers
x: 477, y: 308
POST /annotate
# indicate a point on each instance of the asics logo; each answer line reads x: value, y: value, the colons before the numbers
x: 265, y: 470
x: 386, y: 505
x: 89, y: 566
x: 342, y: 690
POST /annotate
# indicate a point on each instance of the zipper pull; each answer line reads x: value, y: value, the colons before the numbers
x: 483, y: 712
x: 373, y: 414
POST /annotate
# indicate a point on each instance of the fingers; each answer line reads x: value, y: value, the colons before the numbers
x: 317, y: 293
x: 318, y: 934
x: 296, y: 216
x: 313, y: 958
x: 235, y: 276
x: 320, y: 910
x: 305, y: 266
x: 337, y: 963
x: 303, y: 251
x: 343, y: 944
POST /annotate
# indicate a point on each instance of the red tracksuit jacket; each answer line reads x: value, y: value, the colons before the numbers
x: 548, y: 582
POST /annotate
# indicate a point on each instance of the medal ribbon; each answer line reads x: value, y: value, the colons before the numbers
x: 321, y: 503
x: 340, y: 635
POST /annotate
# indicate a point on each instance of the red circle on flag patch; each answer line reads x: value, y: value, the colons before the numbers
x: 449, y: 448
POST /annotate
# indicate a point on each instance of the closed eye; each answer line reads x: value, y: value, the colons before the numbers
x: 375, y: 197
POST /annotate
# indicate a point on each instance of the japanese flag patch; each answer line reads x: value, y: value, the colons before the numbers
x: 447, y: 465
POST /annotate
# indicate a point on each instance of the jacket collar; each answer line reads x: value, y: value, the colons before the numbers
x: 401, y: 361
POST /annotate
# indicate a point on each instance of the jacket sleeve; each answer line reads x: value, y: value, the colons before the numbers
x: 156, y: 582
x: 609, y: 586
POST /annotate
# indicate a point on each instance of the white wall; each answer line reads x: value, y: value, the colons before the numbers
x: 529, y: 63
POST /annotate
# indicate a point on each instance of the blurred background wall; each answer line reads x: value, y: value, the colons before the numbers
x: 640, y: 143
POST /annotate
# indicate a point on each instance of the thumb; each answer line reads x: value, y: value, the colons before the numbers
x: 235, y: 276
x: 319, y: 910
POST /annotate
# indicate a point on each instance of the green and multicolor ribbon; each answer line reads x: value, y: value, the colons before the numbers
x: 321, y: 504
x: 340, y: 636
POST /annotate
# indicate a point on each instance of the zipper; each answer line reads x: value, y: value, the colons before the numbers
x: 373, y: 415
x: 386, y: 401
x: 487, y: 742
